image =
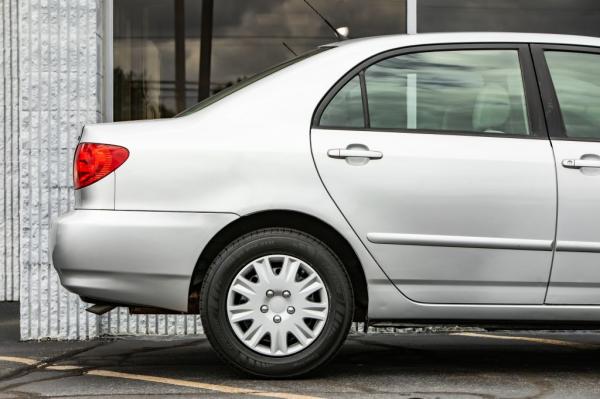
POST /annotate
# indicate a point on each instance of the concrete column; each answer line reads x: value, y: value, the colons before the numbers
x: 9, y: 152
x: 61, y: 76
x: 59, y: 81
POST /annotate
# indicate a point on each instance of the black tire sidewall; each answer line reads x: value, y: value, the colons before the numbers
x: 282, y: 242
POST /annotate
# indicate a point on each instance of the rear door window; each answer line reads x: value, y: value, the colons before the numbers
x: 479, y: 91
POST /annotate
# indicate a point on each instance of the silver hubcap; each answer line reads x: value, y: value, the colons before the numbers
x: 277, y: 305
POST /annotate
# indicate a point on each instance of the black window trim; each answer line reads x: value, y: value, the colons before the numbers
x: 552, y: 111
x: 535, y: 114
x: 365, y: 102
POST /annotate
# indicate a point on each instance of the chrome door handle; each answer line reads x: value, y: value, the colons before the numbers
x: 580, y: 163
x: 345, y: 153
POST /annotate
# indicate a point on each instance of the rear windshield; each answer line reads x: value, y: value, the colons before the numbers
x: 240, y: 85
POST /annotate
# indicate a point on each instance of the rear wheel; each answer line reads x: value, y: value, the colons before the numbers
x: 277, y: 303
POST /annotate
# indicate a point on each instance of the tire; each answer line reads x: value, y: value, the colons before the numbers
x: 291, y: 357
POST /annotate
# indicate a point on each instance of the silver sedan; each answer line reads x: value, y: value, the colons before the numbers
x: 426, y: 178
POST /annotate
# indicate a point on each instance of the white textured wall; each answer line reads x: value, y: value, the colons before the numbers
x: 9, y: 153
x: 58, y: 94
x: 60, y: 80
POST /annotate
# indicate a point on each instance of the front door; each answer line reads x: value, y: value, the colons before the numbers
x: 438, y: 159
x: 571, y: 79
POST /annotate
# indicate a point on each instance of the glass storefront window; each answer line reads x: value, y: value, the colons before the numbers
x: 155, y: 70
x: 254, y: 78
x: 170, y: 54
x: 579, y: 17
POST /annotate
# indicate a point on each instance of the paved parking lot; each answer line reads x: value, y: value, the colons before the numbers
x: 457, y: 365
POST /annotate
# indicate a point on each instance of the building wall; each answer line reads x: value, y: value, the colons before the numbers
x: 9, y: 155
x: 58, y: 90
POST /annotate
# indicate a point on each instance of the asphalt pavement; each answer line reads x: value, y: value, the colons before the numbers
x: 468, y: 364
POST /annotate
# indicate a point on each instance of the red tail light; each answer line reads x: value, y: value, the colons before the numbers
x: 95, y: 161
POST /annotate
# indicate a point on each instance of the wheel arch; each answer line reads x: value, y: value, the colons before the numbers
x: 288, y: 219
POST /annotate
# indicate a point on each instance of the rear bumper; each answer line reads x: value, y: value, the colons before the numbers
x: 130, y: 257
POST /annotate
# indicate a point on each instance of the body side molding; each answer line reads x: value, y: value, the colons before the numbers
x: 460, y: 241
x: 577, y: 246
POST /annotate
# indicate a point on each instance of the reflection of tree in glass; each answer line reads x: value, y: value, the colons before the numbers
x: 132, y: 100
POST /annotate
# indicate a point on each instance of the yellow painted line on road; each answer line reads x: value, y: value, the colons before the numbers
x: 545, y: 341
x: 63, y: 367
x: 21, y: 360
x: 155, y: 379
x: 37, y: 363
x: 194, y: 384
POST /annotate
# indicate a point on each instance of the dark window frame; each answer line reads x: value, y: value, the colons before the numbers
x: 535, y: 114
x: 554, y: 119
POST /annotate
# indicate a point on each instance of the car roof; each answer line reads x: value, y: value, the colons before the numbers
x: 403, y: 40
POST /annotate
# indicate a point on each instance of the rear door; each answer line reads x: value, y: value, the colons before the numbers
x: 438, y: 158
x: 570, y: 82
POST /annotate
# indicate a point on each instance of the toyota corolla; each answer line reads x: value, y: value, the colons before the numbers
x: 423, y: 179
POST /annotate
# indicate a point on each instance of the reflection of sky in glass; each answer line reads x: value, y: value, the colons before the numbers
x: 545, y: 16
x: 468, y: 90
x: 248, y: 37
x: 575, y: 78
